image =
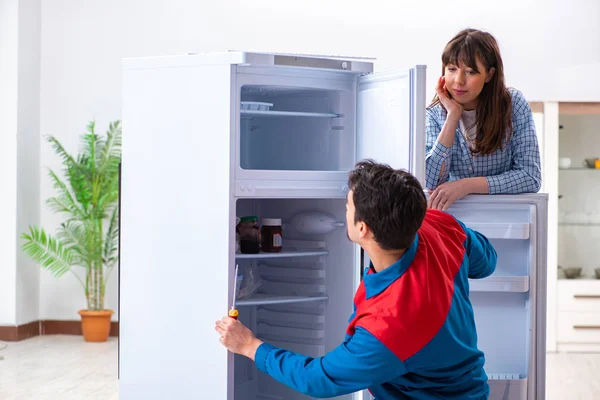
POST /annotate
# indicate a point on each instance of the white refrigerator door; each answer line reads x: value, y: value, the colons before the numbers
x: 391, y: 119
x: 510, y: 305
x: 391, y: 128
x: 177, y: 229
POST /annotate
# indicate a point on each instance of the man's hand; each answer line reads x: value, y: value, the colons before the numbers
x: 447, y: 193
x: 236, y: 337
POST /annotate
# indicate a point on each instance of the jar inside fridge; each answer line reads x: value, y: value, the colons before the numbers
x: 249, y: 232
x: 271, y: 235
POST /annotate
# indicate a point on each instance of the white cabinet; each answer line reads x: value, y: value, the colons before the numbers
x: 578, y: 317
x: 573, y: 224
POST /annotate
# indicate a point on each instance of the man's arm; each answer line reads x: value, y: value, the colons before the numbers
x: 357, y: 364
x: 481, y: 254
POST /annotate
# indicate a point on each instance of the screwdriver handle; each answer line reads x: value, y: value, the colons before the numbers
x: 233, y: 313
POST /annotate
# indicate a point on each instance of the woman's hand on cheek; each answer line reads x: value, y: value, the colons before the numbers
x: 447, y: 193
x: 454, y: 109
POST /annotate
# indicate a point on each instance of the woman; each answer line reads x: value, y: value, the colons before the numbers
x: 480, y: 134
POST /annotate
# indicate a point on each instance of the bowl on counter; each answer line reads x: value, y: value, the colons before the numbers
x: 564, y: 162
x: 590, y: 162
x: 572, y: 272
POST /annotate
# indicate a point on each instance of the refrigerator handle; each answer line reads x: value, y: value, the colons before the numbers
x: 362, y: 263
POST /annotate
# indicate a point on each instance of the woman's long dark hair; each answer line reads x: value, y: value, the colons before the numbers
x: 494, y: 110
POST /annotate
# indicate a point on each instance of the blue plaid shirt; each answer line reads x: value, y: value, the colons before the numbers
x: 514, y: 170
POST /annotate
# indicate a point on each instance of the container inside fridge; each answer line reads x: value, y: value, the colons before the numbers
x: 305, y: 129
x: 306, y: 292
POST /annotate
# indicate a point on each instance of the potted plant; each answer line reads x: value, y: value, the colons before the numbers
x: 88, y: 237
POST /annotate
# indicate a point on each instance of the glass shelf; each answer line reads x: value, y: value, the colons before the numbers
x: 261, y: 299
x: 579, y: 169
x: 579, y: 223
x: 580, y: 278
x: 260, y: 113
x: 285, y: 253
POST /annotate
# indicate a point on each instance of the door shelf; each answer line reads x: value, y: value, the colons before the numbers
x: 507, y: 387
x: 515, y: 284
x: 501, y: 230
x: 262, y: 299
x: 260, y: 113
x: 284, y: 253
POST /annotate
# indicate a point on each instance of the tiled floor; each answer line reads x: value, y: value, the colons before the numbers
x: 67, y: 368
x: 59, y: 367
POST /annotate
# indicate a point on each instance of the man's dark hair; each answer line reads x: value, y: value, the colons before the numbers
x: 390, y: 201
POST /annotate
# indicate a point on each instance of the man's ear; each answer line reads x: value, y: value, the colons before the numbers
x: 363, y: 229
x: 490, y: 74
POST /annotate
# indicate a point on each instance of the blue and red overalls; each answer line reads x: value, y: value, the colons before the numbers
x: 412, y: 334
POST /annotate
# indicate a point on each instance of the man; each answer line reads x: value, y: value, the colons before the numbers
x: 412, y: 334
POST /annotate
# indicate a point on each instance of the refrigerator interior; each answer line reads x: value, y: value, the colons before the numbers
x: 305, y: 129
x: 319, y: 273
x: 503, y: 303
x: 306, y: 292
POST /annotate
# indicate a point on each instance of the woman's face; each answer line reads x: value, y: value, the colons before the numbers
x: 465, y: 84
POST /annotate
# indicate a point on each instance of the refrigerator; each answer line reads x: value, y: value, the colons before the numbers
x: 209, y: 138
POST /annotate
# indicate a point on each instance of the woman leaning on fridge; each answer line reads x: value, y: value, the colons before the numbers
x: 480, y: 134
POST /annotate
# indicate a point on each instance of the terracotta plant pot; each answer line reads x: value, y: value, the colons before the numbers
x: 95, y: 325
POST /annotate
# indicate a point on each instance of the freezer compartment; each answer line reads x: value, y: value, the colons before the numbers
x: 305, y: 297
x: 305, y: 129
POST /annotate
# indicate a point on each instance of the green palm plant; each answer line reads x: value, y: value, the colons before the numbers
x: 89, y: 201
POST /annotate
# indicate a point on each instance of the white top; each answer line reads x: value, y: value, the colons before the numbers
x: 468, y: 126
x: 271, y: 221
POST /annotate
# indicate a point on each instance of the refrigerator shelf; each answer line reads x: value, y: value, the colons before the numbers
x: 507, y: 387
x: 261, y: 298
x: 262, y: 396
x: 285, y: 253
x: 501, y: 230
x: 260, y: 113
x: 515, y: 284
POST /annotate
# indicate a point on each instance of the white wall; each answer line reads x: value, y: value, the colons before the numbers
x: 83, y: 43
x: 28, y: 156
x: 19, y: 156
x: 8, y: 159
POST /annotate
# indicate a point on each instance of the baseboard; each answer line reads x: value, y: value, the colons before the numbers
x: 46, y: 327
x: 20, y: 332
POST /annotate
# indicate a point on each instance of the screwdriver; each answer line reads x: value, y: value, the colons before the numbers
x: 233, y: 313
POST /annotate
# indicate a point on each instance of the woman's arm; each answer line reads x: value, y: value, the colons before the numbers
x: 525, y: 176
x: 438, y: 149
x: 439, y: 140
